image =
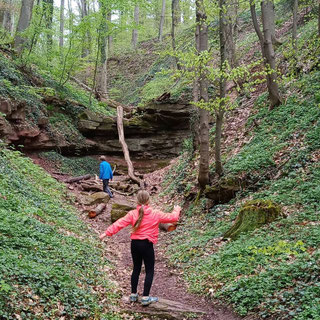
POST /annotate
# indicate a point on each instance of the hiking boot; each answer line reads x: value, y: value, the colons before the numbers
x: 133, y: 297
x: 145, y: 301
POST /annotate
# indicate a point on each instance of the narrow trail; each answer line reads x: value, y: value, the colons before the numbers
x: 167, y: 283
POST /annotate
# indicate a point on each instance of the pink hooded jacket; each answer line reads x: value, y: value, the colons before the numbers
x: 149, y: 227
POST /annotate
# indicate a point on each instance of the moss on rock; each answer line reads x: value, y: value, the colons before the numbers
x: 253, y: 214
x: 119, y: 210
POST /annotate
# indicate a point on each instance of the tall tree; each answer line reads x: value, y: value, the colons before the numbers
x: 23, y: 24
x: 267, y: 50
x: 61, y: 24
x: 201, y: 20
x: 270, y: 13
x: 134, y: 40
x: 163, y: 11
x: 174, y: 14
x: 48, y: 14
x: 195, y: 94
x: 84, y: 10
x: 110, y: 38
x: 102, y: 46
x: 7, y: 16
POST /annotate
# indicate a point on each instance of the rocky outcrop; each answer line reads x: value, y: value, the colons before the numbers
x: 154, y: 131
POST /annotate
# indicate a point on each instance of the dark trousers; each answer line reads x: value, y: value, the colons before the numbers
x: 142, y: 250
x: 106, y: 188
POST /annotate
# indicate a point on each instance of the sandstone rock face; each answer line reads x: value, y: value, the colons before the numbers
x: 154, y: 131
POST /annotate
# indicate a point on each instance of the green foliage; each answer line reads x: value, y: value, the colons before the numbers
x: 180, y: 174
x: 274, y: 270
x: 73, y: 166
x: 48, y: 257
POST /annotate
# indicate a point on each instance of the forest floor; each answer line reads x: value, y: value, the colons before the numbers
x: 168, y: 283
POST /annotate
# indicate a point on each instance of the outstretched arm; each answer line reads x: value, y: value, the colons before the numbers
x: 170, y: 217
x: 117, y: 226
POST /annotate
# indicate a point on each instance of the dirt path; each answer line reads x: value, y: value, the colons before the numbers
x: 167, y: 283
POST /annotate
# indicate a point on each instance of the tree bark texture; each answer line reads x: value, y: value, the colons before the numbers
x: 110, y: 38
x: 203, y: 176
x: 195, y: 92
x: 98, y: 210
x: 102, y: 76
x: 125, y: 147
x: 273, y: 89
x: 174, y: 15
x: 61, y: 24
x: 225, y: 55
x: 269, y: 10
x: 134, y: 40
x: 84, y: 10
x: 267, y: 52
x: 7, y: 16
x: 23, y: 24
x: 48, y: 15
x: 230, y: 14
x: 163, y: 11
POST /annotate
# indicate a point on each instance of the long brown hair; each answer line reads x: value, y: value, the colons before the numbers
x: 142, y: 198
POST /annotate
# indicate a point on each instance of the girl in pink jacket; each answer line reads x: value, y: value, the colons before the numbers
x: 145, y: 230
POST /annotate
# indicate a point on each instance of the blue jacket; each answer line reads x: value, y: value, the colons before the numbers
x: 105, y: 171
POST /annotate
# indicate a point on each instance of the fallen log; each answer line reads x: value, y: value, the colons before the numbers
x: 75, y: 179
x: 98, y: 210
x: 91, y: 187
x: 168, y: 227
x: 125, y: 147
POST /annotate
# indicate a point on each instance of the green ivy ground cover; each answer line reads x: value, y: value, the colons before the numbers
x: 275, y: 270
x: 51, y: 264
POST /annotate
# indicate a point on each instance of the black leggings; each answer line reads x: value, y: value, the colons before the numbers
x: 142, y: 250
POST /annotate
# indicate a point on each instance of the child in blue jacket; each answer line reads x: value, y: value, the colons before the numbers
x: 105, y: 175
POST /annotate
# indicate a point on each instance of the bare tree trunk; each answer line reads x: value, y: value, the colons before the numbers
x: 174, y: 14
x: 23, y: 24
x: 8, y: 16
x: 84, y: 9
x: 195, y: 91
x: 102, y: 77
x: 229, y: 26
x: 274, y: 95
x: 267, y: 52
x: 110, y: 39
x: 294, y: 25
x: 224, y: 27
x: 61, y: 24
x: 256, y: 25
x: 134, y: 40
x: 125, y: 147
x: 163, y: 11
x: 48, y: 14
x: 203, y: 176
x: 269, y: 11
